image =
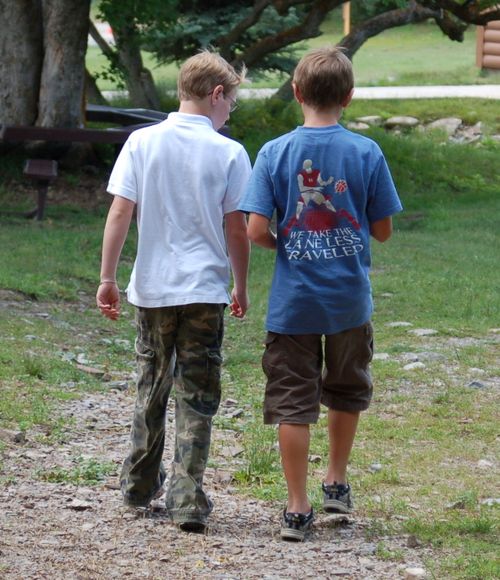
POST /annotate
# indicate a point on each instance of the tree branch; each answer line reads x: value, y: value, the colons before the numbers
x: 390, y: 19
x: 472, y: 12
x: 101, y: 43
x: 308, y: 28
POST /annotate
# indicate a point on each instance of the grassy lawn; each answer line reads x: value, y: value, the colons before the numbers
x: 424, y: 464
x: 408, y: 55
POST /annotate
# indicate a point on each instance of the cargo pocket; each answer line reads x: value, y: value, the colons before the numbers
x: 146, y: 366
x: 269, y: 358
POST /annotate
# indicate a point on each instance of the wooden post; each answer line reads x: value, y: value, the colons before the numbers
x: 346, y: 15
x: 479, y: 46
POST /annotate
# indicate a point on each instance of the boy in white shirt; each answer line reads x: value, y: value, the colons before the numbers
x: 186, y: 180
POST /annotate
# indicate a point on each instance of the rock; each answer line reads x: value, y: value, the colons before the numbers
x: 357, y: 126
x: 12, y: 436
x: 118, y: 385
x: 448, y: 124
x: 314, y: 458
x: 381, y: 356
x: 491, y: 501
x: 484, y: 464
x: 401, y: 122
x: 414, y: 573
x: 375, y: 467
x: 398, y: 324
x: 371, y: 120
x: 413, y: 541
x: 423, y: 331
x: 410, y: 357
x: 414, y: 366
x: 79, y: 505
x: 476, y: 385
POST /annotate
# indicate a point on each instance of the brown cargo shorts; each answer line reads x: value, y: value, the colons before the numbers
x: 298, y: 381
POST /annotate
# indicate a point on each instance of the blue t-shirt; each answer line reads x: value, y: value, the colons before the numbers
x: 326, y: 185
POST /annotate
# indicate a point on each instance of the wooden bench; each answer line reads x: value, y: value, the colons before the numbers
x: 43, y: 171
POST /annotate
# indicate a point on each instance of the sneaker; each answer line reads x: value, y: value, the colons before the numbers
x: 193, y: 526
x: 295, y: 526
x: 337, y: 498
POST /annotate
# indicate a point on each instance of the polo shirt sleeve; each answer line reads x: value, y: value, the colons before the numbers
x: 239, y: 172
x: 123, y: 181
x: 383, y: 199
x: 259, y: 196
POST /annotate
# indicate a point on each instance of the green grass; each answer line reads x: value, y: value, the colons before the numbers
x: 426, y: 428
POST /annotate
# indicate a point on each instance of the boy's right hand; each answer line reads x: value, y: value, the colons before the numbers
x: 108, y: 300
x: 240, y: 303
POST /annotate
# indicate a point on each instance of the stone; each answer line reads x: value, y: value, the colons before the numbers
x: 414, y: 573
x: 448, y: 124
x: 375, y: 467
x: 410, y: 357
x: 484, y: 464
x: 12, y: 436
x: 357, y: 126
x: 371, y: 120
x: 423, y: 331
x: 401, y: 122
x: 491, y: 501
x: 381, y: 356
x: 398, y: 323
x: 476, y: 385
x: 414, y: 366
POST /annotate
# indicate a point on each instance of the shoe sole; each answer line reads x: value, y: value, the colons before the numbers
x: 193, y: 527
x: 293, y: 535
x: 336, y: 507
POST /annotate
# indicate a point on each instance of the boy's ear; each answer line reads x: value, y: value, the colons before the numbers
x: 296, y: 94
x: 216, y: 93
x: 347, y: 101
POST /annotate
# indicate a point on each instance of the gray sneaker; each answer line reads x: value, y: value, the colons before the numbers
x: 337, y: 498
x: 295, y: 526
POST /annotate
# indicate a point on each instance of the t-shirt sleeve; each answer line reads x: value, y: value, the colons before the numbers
x: 123, y: 181
x: 239, y: 172
x: 383, y: 199
x: 259, y: 195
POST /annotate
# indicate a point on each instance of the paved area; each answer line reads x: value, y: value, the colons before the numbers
x: 427, y: 92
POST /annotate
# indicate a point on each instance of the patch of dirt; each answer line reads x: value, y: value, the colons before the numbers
x: 63, y: 531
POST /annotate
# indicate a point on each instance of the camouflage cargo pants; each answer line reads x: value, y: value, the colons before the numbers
x: 175, y: 345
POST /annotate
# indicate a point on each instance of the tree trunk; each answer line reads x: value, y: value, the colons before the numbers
x: 66, y: 26
x: 92, y: 93
x: 139, y: 80
x: 21, y: 60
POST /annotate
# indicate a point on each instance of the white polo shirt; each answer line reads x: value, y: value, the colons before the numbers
x: 184, y: 177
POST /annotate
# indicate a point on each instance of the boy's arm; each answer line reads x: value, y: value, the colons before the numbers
x: 381, y: 230
x: 115, y: 233
x: 238, y: 248
x: 259, y: 232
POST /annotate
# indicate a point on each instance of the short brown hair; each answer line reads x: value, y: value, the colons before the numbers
x: 324, y: 77
x: 201, y: 73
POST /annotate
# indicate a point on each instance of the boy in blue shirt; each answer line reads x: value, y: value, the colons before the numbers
x: 331, y: 189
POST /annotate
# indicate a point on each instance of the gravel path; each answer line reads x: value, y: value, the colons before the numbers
x: 61, y: 531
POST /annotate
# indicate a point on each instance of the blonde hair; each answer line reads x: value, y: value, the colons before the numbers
x: 324, y: 77
x: 201, y: 73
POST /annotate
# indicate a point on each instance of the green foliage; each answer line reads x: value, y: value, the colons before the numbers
x: 202, y: 25
x: 364, y: 9
x: 86, y: 471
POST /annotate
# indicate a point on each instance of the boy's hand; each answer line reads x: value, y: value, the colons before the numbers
x: 108, y: 300
x: 240, y: 303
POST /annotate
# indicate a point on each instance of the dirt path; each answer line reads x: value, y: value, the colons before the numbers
x: 60, y: 531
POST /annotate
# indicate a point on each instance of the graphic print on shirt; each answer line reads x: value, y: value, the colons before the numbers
x: 319, y: 230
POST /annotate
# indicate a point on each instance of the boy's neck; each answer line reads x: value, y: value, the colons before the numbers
x: 315, y: 118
